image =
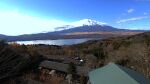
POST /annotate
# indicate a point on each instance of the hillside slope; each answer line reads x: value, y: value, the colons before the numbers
x: 131, y: 51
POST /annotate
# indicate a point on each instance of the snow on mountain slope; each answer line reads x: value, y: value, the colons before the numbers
x: 88, y: 22
x: 83, y: 22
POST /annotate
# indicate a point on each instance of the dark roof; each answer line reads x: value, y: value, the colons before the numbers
x: 116, y: 74
x: 62, y: 59
x: 63, y: 67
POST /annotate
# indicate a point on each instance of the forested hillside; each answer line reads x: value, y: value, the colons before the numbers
x: 20, y: 62
x: 131, y: 51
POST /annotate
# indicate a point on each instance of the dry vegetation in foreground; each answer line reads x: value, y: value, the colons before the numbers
x: 17, y: 65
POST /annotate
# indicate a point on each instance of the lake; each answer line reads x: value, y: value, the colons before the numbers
x: 57, y: 42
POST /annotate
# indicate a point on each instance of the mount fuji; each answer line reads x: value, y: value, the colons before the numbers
x: 85, y: 28
x: 88, y: 26
x: 83, y: 22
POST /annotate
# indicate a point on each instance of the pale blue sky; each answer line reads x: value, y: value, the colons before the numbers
x: 33, y: 16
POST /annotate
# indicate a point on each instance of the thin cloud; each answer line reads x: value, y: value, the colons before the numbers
x: 145, y: 13
x: 132, y: 19
x: 130, y: 10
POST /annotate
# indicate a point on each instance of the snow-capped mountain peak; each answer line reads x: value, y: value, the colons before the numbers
x: 83, y: 22
x: 87, y: 22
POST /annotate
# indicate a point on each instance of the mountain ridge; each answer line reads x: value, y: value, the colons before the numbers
x: 85, y: 28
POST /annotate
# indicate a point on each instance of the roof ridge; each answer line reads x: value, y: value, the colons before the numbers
x: 121, y: 70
